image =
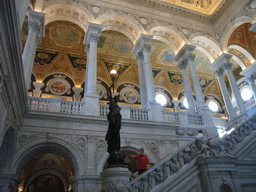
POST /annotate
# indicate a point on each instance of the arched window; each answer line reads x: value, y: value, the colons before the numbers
x: 161, y: 99
x: 185, y: 102
x: 246, y: 93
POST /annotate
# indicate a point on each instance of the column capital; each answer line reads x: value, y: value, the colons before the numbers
x: 139, y: 57
x: 183, y: 54
x: 249, y: 70
x: 92, y: 33
x: 219, y: 72
x: 220, y: 61
x: 36, y: 22
x: 228, y: 66
x: 143, y: 42
x: 191, y: 58
x: 183, y: 65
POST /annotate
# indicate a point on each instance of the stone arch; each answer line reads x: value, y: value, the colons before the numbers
x: 244, y: 52
x: 55, y: 146
x: 52, y: 172
x: 71, y: 13
x: 231, y: 27
x: 206, y: 44
x: 121, y: 23
x: 169, y: 35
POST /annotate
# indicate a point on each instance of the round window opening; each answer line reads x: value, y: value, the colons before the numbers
x: 185, y: 103
x: 246, y: 94
x: 160, y: 98
x: 213, y: 106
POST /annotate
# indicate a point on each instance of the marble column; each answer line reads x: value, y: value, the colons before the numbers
x: 225, y: 94
x: 148, y: 73
x: 22, y: 7
x: 91, y: 99
x: 251, y: 80
x: 37, y: 91
x: 234, y: 87
x: 142, y: 51
x: 35, y: 32
x: 143, y: 89
x: 195, y: 80
x: 188, y: 91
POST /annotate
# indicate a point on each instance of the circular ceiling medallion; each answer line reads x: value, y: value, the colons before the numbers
x: 65, y: 35
x: 122, y: 46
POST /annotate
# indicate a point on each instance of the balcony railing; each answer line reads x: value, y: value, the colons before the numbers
x: 138, y: 113
x: 171, y: 117
x: 127, y: 112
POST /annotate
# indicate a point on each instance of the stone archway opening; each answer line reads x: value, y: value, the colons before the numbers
x: 46, y: 167
x: 46, y: 172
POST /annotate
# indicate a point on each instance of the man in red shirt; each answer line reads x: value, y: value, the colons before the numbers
x: 142, y: 161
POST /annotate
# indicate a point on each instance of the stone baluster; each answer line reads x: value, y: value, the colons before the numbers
x: 224, y: 90
x: 176, y: 105
x: 91, y: 99
x: 188, y: 91
x: 234, y: 87
x: 37, y: 92
x: 35, y: 32
x: 77, y: 91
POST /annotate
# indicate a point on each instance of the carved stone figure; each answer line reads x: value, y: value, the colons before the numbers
x: 174, y: 165
x: 186, y: 156
x: 159, y: 175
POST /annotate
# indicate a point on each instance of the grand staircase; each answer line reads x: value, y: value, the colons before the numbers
x: 219, y: 164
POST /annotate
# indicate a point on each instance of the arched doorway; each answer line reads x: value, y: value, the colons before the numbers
x: 48, y: 167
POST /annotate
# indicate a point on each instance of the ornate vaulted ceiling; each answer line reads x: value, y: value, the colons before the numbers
x: 61, y: 53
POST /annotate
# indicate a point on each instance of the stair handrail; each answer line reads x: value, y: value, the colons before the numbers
x: 213, y: 147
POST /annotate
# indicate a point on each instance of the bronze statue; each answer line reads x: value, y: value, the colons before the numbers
x: 114, y: 118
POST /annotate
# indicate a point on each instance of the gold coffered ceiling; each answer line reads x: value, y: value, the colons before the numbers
x: 203, y: 6
x: 207, y: 10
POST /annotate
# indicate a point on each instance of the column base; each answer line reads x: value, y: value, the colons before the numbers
x: 155, y: 111
x: 115, y: 179
x: 208, y: 121
x: 9, y: 182
x: 91, y: 104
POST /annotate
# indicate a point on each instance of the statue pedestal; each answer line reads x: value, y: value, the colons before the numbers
x: 115, y: 179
